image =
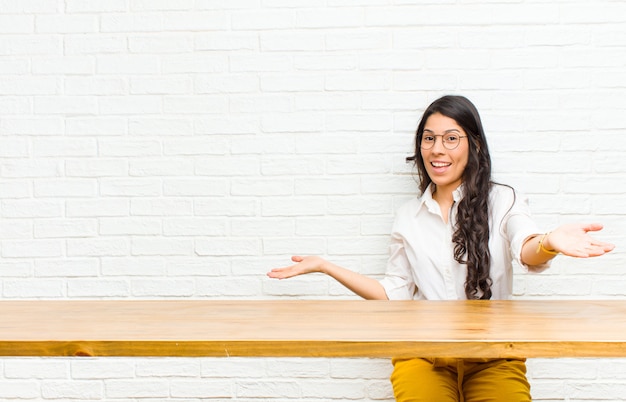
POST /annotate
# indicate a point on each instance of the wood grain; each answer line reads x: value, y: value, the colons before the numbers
x: 320, y: 328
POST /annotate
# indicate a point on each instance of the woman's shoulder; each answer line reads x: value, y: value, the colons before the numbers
x: 499, y: 190
x: 507, y: 200
x: 410, y: 206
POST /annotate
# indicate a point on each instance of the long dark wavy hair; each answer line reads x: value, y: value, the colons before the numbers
x: 471, y: 231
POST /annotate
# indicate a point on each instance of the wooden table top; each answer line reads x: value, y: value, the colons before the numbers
x: 319, y: 328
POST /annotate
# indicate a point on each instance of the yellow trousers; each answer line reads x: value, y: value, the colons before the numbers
x: 460, y: 380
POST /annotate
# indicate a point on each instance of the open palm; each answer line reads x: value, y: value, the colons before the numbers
x: 574, y: 240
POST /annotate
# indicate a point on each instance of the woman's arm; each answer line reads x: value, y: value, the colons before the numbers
x: 570, y: 239
x: 366, y: 287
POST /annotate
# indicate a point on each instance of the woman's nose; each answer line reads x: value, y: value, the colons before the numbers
x: 438, y: 145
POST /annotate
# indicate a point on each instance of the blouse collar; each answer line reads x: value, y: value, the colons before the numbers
x: 427, y: 197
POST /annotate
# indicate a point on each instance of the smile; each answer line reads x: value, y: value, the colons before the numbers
x: 440, y: 164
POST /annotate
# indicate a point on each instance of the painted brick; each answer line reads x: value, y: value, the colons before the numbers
x: 77, y: 389
x: 159, y: 149
x: 33, y: 289
x: 136, y: 388
x: 201, y: 389
x: 67, y: 267
x: 40, y: 369
x: 133, y: 266
x: 98, y: 368
x: 168, y: 368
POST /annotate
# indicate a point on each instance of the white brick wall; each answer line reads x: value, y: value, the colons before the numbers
x: 180, y: 149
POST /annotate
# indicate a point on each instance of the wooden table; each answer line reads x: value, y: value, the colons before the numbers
x: 343, y: 328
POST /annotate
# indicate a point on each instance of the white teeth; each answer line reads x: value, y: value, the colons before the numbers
x: 440, y: 164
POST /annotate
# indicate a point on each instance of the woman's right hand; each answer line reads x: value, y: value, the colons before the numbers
x: 367, y: 288
x: 303, y: 265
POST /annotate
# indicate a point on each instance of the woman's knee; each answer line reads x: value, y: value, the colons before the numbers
x: 500, y: 380
x: 418, y: 380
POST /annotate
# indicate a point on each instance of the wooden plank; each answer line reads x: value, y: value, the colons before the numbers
x: 319, y: 328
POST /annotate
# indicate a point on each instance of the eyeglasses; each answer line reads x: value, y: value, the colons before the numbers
x: 450, y: 141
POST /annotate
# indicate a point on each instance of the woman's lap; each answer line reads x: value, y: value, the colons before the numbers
x: 460, y: 380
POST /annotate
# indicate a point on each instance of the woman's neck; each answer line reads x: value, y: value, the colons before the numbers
x: 444, y: 194
x: 445, y: 198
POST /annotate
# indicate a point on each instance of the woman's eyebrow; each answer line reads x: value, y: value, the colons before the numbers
x: 446, y: 131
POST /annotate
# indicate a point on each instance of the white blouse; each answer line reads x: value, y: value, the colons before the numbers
x: 421, y: 255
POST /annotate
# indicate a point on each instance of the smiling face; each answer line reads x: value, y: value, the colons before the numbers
x: 444, y: 166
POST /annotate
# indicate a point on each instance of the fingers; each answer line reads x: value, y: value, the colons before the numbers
x: 574, y: 240
x: 596, y: 245
x: 592, y: 227
x: 591, y: 249
x: 594, y: 251
x: 280, y: 273
x: 286, y: 272
x: 605, y: 246
x: 274, y: 273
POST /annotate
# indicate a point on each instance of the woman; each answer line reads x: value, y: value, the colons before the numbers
x: 457, y: 240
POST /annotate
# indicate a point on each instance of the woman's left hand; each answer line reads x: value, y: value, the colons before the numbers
x: 574, y: 240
